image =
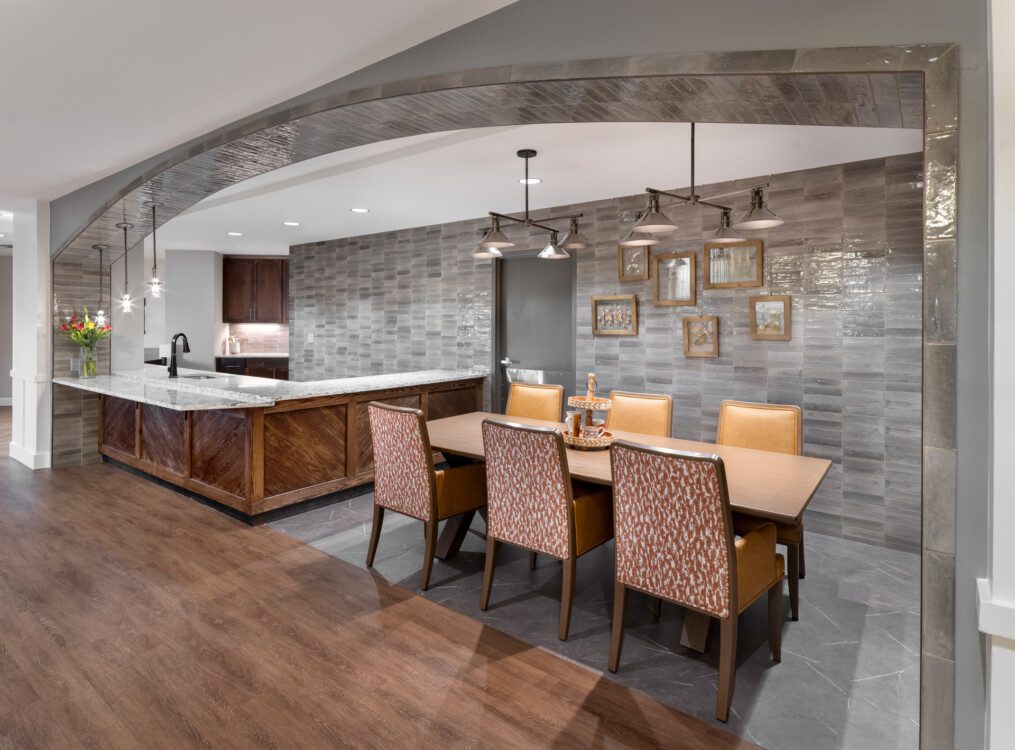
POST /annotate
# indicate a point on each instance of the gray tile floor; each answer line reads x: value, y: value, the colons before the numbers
x: 849, y: 676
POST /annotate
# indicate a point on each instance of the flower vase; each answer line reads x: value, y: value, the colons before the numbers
x: 88, y: 368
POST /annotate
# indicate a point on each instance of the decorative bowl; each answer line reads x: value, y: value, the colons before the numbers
x: 593, y: 404
x: 588, y: 444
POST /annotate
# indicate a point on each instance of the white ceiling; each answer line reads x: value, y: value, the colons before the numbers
x: 457, y: 175
x: 88, y: 88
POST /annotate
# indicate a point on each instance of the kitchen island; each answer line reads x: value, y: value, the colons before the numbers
x: 256, y: 444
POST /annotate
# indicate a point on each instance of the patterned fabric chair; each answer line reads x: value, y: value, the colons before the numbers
x: 777, y: 428
x: 405, y: 480
x: 532, y: 504
x: 644, y: 413
x: 674, y: 540
x: 535, y: 401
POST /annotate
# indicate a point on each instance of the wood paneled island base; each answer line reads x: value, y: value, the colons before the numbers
x: 259, y: 459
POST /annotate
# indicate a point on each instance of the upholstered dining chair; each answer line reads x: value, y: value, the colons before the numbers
x: 644, y: 413
x: 535, y: 401
x: 405, y: 480
x: 777, y: 428
x: 532, y: 503
x: 674, y: 540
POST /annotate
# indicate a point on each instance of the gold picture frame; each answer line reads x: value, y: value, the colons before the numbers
x: 675, y: 281
x: 615, y: 315
x: 632, y: 263
x: 734, y: 265
x: 771, y: 317
x: 701, y: 336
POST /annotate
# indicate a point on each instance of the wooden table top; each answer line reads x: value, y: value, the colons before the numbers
x: 776, y: 486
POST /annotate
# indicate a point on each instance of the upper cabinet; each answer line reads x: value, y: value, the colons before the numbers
x: 255, y: 290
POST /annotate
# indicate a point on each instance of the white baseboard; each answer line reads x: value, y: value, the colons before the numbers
x: 995, y: 617
x: 29, y: 459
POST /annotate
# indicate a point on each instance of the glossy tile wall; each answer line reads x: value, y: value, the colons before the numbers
x: 850, y: 254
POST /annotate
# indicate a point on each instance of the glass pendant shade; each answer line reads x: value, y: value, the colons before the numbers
x: 726, y: 234
x: 574, y: 239
x: 553, y: 251
x: 759, y: 217
x: 155, y: 285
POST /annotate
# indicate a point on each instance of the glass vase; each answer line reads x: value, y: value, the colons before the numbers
x: 88, y: 368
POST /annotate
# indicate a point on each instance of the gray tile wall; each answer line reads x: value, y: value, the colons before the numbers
x: 850, y: 254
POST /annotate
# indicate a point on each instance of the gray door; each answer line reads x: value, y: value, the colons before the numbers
x: 535, y: 327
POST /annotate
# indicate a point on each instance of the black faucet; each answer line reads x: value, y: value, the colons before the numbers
x: 172, y: 358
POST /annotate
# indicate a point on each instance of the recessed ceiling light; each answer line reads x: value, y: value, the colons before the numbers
x: 360, y: 210
x: 3, y: 235
x: 291, y: 223
x: 235, y: 234
x: 529, y: 180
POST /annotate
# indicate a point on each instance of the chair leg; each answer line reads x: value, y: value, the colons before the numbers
x: 803, y: 568
x: 375, y: 534
x: 727, y: 666
x: 566, y: 598
x: 491, y: 560
x: 430, y: 553
x: 532, y: 560
x: 775, y: 620
x: 617, y: 638
x: 657, y: 607
x: 793, y: 555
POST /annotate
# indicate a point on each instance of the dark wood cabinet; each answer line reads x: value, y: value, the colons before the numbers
x: 255, y: 290
x: 276, y: 368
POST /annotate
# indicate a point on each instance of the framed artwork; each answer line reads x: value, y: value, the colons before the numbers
x: 615, y: 315
x: 675, y: 282
x: 632, y: 263
x: 701, y: 336
x: 737, y: 265
x: 772, y: 317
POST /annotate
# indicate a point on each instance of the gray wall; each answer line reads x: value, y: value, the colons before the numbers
x: 850, y: 254
x: 194, y: 304
x: 532, y: 31
x: 6, y: 325
x: 127, y: 341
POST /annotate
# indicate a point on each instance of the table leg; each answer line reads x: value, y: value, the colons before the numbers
x: 695, y: 633
x: 454, y: 534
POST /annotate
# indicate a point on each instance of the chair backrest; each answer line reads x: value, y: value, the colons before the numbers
x: 672, y: 526
x: 528, y: 487
x: 535, y: 401
x: 765, y: 427
x: 404, y: 478
x: 644, y: 413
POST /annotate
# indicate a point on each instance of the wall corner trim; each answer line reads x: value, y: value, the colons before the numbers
x: 994, y: 616
x: 33, y: 461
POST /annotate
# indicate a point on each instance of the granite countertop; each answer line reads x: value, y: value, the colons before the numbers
x: 151, y: 385
x: 266, y: 355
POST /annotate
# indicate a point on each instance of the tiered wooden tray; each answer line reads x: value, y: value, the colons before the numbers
x: 590, y: 406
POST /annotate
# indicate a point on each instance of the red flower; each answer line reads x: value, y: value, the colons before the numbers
x: 63, y: 327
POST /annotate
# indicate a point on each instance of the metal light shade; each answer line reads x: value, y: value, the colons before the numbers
x: 726, y: 234
x: 481, y: 252
x: 759, y: 217
x: 574, y: 239
x: 636, y: 239
x: 654, y: 221
x: 495, y: 238
x: 553, y: 251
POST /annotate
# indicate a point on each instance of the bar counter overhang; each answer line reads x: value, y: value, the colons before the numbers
x: 255, y: 444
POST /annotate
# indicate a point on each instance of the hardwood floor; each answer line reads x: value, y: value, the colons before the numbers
x: 131, y: 616
x: 5, y: 430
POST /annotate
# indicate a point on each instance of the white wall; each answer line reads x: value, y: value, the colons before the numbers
x: 155, y: 311
x: 194, y: 304
x: 127, y: 340
x: 6, y: 327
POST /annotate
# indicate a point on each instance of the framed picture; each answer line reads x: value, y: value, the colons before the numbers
x: 736, y: 265
x: 772, y: 317
x: 675, y: 282
x: 701, y: 336
x: 615, y: 315
x: 632, y: 263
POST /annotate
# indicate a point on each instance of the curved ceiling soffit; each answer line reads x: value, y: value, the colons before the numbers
x: 885, y: 88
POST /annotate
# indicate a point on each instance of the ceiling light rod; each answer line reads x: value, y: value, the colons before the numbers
x: 655, y: 192
x: 532, y: 222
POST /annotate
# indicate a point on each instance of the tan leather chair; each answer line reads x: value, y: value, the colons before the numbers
x: 536, y: 401
x: 777, y: 428
x: 405, y: 480
x: 533, y: 504
x: 674, y: 541
x: 644, y: 413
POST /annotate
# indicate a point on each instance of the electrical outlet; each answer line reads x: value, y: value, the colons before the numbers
x: 310, y: 338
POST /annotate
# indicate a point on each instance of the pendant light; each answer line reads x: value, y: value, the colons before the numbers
x: 553, y: 251
x: 654, y: 221
x: 155, y: 285
x: 726, y: 234
x: 574, y: 239
x: 759, y: 217
x: 100, y: 314
x: 126, y: 301
x: 635, y: 238
x: 493, y: 241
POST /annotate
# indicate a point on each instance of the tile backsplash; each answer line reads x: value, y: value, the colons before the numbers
x: 270, y: 338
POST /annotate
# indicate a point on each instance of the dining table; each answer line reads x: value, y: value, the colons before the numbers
x: 766, y: 485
